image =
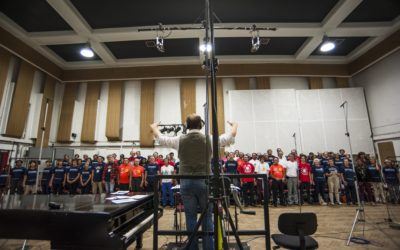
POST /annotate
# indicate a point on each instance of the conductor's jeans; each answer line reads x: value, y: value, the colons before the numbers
x: 195, y: 197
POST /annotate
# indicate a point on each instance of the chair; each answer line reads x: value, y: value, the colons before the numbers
x: 295, y: 228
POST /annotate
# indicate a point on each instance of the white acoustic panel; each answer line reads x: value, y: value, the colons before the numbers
x: 79, y: 109
x: 310, y: 120
x: 131, y: 112
x: 200, y: 96
x: 167, y: 106
x: 101, y: 118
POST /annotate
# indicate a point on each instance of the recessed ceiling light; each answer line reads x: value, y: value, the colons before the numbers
x: 327, y: 46
x: 87, y: 52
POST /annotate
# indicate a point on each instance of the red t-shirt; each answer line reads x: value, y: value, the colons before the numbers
x: 246, y: 168
x: 124, y: 171
x: 137, y: 171
x: 304, y: 172
x: 277, y: 171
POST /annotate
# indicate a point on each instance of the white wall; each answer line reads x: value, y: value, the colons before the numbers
x: 167, y: 105
x: 101, y: 117
x: 79, y: 109
x: 35, y: 105
x: 55, y: 117
x: 131, y: 111
x: 382, y: 91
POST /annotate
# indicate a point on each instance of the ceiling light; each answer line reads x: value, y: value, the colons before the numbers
x: 87, y: 52
x: 327, y: 46
x: 205, y: 47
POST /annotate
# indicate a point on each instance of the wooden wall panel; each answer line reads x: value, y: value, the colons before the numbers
x: 342, y: 82
x: 20, y: 102
x: 188, y: 98
x: 114, y: 110
x: 242, y: 83
x: 386, y: 151
x: 315, y: 83
x: 5, y: 58
x: 146, y: 112
x: 263, y: 82
x: 48, y: 97
x: 90, y: 112
x: 67, y: 111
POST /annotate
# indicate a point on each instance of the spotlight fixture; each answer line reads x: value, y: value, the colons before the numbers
x: 170, y: 129
x: 177, y: 129
x: 160, y: 44
x: 163, y: 130
x: 255, y: 39
x: 205, y: 47
x: 327, y: 44
x: 87, y: 52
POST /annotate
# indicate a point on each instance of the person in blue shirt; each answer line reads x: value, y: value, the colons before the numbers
x: 319, y: 181
x: 339, y: 161
x: 17, y: 178
x: 97, y: 169
x: 73, y: 177
x: 86, y: 179
x: 4, y: 179
x: 151, y: 170
x: 30, y: 178
x: 349, y: 179
x: 334, y: 176
x: 58, y: 178
x: 231, y: 168
x: 45, y: 178
x: 392, y: 179
x: 375, y: 179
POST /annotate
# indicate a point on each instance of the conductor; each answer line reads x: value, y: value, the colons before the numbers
x: 194, y: 153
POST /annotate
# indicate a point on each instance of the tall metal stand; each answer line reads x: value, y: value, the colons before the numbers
x: 41, y: 144
x: 360, y: 214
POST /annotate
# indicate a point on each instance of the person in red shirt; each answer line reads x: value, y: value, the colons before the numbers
x: 247, y: 183
x: 124, y: 175
x: 305, y: 179
x: 132, y: 156
x: 138, y: 177
x: 277, y: 174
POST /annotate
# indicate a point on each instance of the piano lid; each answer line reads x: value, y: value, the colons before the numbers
x: 76, y: 203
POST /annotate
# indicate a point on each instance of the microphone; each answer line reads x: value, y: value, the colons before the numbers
x: 341, y: 106
x: 294, y: 134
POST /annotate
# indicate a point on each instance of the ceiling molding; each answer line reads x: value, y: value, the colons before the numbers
x: 375, y: 54
x: 22, y: 50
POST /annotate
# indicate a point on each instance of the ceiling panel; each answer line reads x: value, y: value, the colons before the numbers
x: 128, y: 13
x: 145, y: 49
x: 242, y: 45
x: 375, y: 11
x: 33, y: 15
x: 345, y: 46
x: 71, y: 52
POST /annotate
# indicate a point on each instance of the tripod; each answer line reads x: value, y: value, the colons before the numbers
x: 360, y: 213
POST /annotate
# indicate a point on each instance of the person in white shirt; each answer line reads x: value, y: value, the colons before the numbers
x: 166, y: 184
x: 282, y: 158
x: 261, y: 168
x: 254, y: 160
x: 292, y: 180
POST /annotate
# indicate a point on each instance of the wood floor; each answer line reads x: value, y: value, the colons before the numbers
x: 334, y: 224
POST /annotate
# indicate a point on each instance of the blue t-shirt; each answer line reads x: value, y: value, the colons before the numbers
x: 390, y: 174
x: 46, y: 174
x: 324, y: 162
x: 31, y: 176
x: 85, y: 174
x: 73, y: 173
x: 231, y: 166
x: 348, y: 174
x: 151, y: 169
x: 373, y: 174
x: 59, y: 174
x: 67, y: 168
x: 333, y: 169
x: 98, y: 171
x: 3, y: 177
x: 319, y: 174
x: 17, y: 174
x: 339, y: 164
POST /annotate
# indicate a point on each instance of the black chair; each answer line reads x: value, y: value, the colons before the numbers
x: 295, y: 228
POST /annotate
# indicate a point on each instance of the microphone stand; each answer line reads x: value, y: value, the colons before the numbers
x: 360, y: 213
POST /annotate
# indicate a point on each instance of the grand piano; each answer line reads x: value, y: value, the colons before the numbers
x: 80, y: 222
